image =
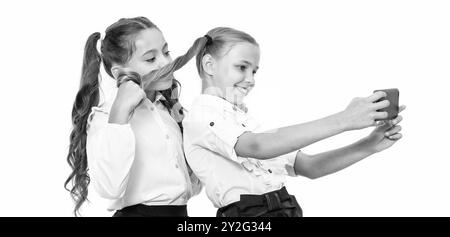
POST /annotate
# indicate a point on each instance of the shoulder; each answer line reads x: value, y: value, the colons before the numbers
x: 99, y: 116
x: 203, y: 108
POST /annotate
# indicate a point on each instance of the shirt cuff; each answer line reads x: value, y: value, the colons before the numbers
x: 228, y: 136
x: 290, y: 163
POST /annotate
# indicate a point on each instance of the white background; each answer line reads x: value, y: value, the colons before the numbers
x: 315, y: 57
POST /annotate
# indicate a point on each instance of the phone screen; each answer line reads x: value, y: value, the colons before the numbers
x: 393, y: 96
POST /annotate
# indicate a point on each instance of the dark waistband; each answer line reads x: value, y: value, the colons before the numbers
x: 270, y: 199
x: 142, y: 210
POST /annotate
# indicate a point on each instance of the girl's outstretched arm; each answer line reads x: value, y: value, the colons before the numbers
x: 381, y: 138
x: 361, y: 113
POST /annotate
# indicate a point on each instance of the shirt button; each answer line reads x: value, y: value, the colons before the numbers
x: 211, y: 124
x: 176, y: 166
x: 270, y: 171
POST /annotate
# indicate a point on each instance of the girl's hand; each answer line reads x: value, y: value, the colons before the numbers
x: 362, y: 112
x: 384, y: 135
x: 242, y: 107
x: 129, y: 96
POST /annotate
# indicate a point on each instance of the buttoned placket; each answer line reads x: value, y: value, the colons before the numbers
x: 252, y: 165
x: 179, y: 161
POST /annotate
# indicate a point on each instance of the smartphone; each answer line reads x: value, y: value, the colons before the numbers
x: 392, y: 95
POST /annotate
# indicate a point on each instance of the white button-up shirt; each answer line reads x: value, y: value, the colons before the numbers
x: 139, y: 162
x: 211, y: 130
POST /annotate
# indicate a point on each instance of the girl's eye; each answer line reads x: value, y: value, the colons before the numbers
x: 151, y: 60
x: 167, y: 53
x: 243, y: 68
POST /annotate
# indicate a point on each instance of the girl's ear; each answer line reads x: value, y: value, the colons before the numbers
x: 208, y: 63
x: 116, y: 70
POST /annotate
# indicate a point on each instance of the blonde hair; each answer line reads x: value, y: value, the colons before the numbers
x: 222, y: 40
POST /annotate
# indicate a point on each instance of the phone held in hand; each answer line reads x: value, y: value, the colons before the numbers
x: 392, y: 95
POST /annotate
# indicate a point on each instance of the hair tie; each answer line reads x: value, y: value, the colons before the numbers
x: 98, y: 45
x: 209, y: 40
x: 125, y: 76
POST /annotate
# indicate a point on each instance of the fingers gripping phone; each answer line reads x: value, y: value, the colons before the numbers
x: 392, y: 95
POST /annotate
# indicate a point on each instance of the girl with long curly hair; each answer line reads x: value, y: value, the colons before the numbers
x: 131, y: 148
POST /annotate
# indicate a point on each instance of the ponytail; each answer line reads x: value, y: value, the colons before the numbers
x: 86, y: 98
x: 171, y: 95
x: 167, y: 71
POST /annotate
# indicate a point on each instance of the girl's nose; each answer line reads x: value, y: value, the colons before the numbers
x: 250, y: 79
x: 164, y: 61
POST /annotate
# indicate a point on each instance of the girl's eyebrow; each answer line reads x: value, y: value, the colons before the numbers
x: 154, y: 50
x: 249, y: 63
x: 149, y: 51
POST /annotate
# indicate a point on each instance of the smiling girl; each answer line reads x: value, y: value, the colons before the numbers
x: 243, y: 169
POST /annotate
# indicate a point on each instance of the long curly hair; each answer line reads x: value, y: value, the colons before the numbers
x: 116, y: 47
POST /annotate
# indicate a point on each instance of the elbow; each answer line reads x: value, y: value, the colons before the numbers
x: 308, y: 172
x: 257, y: 146
x: 261, y: 151
x: 254, y: 149
x: 113, y: 187
x: 112, y: 195
x: 263, y: 148
x: 306, y: 167
x: 108, y: 185
x: 110, y: 192
x: 313, y: 175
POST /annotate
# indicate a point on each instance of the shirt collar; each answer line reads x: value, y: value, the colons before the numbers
x: 157, y: 102
x: 159, y: 97
x: 217, y: 102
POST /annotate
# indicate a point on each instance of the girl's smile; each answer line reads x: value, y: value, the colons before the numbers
x: 233, y: 73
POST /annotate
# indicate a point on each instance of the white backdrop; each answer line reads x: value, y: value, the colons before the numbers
x: 315, y: 57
